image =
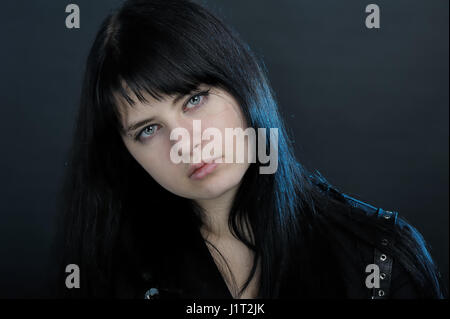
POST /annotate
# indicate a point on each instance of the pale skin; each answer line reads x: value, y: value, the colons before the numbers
x: 150, y: 145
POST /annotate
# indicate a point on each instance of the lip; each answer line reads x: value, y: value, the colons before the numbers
x: 203, y: 170
x: 200, y: 170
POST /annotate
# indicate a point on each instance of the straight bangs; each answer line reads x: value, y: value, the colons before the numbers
x: 159, y: 54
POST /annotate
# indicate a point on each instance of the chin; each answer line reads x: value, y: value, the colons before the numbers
x: 212, y: 187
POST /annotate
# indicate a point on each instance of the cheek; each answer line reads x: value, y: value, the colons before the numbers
x: 231, y: 117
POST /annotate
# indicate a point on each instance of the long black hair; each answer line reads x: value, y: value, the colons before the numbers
x: 163, y: 47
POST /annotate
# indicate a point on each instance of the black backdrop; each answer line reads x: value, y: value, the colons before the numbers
x: 367, y: 107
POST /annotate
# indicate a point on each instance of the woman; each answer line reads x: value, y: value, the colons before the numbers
x: 140, y: 224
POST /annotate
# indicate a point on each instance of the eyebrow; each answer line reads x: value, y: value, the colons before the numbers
x: 135, y: 125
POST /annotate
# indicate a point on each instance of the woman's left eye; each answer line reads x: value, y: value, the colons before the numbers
x: 196, y: 100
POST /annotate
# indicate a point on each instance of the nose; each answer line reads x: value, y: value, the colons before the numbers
x: 188, y: 137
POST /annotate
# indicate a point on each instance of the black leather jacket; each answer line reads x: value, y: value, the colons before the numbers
x: 196, y: 275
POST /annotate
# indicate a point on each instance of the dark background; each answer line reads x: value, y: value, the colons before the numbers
x: 367, y: 107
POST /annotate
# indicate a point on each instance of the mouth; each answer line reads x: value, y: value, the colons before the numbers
x: 200, y: 170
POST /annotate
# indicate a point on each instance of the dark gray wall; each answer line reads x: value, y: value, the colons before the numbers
x: 368, y: 108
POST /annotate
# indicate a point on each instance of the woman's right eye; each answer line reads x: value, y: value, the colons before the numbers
x: 147, y: 132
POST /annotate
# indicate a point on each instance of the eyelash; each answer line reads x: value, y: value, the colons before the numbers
x: 202, y: 93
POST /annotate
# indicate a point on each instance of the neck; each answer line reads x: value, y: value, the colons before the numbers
x: 216, y: 214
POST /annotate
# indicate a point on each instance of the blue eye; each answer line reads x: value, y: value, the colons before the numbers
x: 196, y: 100
x: 147, y: 132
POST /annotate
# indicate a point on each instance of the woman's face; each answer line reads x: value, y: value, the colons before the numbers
x: 150, y: 144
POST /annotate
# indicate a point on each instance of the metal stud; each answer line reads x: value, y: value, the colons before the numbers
x: 382, y: 276
x: 381, y: 293
x: 152, y: 293
x: 383, y: 257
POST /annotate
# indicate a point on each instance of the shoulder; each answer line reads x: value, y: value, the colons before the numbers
x: 379, y: 253
x: 386, y: 277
